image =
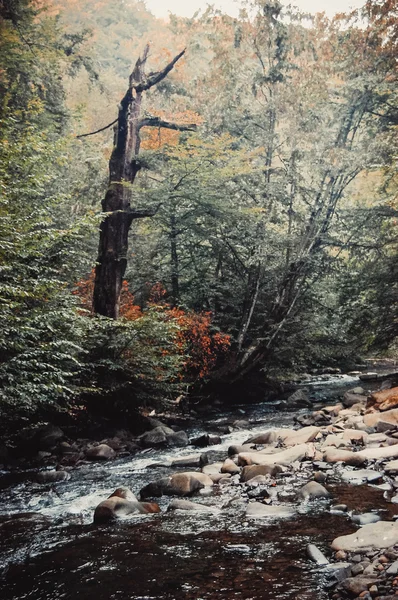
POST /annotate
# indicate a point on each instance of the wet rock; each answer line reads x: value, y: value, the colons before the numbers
x: 121, y: 504
x: 316, y: 555
x: 179, y: 484
x: 376, y: 535
x: 369, y: 376
x: 241, y: 424
x: 339, y: 509
x: 163, y: 436
x: 259, y: 510
x: 320, y: 477
x: 230, y: 467
x: 299, y: 399
x: 313, y: 490
x: 284, y: 457
x: 206, y: 440
x: 336, y: 572
x: 193, y: 460
x: 356, y: 477
x: 237, y: 449
x: 365, y: 518
x: 100, y: 452
x: 356, y: 585
x: 252, y: 471
x: 187, y: 505
x: 52, y: 476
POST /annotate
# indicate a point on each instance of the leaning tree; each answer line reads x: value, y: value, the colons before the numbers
x: 124, y: 165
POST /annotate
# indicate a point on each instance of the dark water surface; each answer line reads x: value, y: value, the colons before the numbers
x: 50, y: 550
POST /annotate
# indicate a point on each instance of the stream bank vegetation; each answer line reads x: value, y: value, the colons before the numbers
x: 248, y: 227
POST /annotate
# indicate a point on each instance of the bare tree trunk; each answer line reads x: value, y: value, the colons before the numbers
x: 123, y: 168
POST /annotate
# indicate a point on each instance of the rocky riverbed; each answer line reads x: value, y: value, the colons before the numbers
x: 260, y: 503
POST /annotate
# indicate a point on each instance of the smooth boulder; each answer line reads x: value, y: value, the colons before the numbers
x: 381, y: 535
x: 121, y: 504
x: 100, y: 452
x: 258, y: 510
x: 179, y: 484
x: 252, y: 471
x: 311, y: 490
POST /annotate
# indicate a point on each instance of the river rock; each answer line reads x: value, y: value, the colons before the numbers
x: 100, y: 452
x: 299, y: 399
x: 267, y: 437
x: 356, y: 585
x: 313, y: 490
x: 179, y: 484
x: 369, y: 376
x: 163, y: 436
x: 333, y: 455
x: 350, y: 399
x: 316, y: 555
x: 252, y: 471
x: 52, y: 476
x: 283, y: 458
x: 355, y: 435
x: 206, y: 440
x: 391, y: 467
x: 237, y: 449
x: 358, y: 476
x: 230, y: 467
x: 213, y: 468
x: 384, y: 400
x: 178, y: 504
x: 379, y: 535
x: 115, y: 508
x: 365, y: 518
x: 259, y: 510
x: 389, y: 416
x: 193, y: 460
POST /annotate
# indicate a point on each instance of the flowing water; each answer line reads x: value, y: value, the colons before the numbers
x: 50, y: 549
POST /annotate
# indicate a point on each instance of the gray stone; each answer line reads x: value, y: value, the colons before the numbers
x: 52, y: 476
x: 313, y: 490
x: 393, y: 568
x: 365, y: 519
x: 316, y: 555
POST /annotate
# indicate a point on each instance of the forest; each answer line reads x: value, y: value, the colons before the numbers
x: 226, y: 223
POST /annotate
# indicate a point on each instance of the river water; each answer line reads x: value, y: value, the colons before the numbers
x: 51, y: 550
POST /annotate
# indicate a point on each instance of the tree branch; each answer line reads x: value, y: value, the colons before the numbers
x: 98, y: 130
x: 157, y: 122
x: 154, y: 78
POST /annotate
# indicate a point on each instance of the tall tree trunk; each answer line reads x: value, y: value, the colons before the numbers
x: 123, y: 168
x: 175, y: 287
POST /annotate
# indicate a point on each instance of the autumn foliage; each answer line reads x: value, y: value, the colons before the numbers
x: 195, y: 338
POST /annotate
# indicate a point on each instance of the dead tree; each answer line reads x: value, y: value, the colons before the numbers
x: 124, y: 165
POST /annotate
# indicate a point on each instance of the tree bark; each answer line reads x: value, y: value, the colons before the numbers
x: 123, y: 168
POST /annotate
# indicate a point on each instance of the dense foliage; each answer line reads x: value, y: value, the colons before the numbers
x: 273, y: 244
